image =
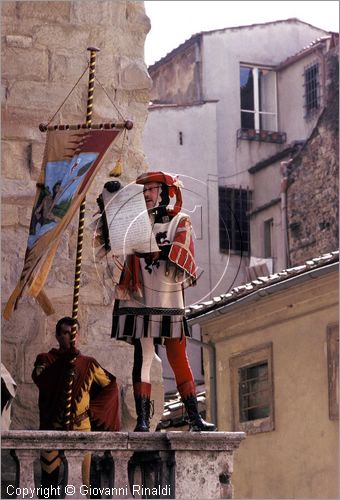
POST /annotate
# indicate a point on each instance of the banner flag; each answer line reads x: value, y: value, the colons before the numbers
x: 71, y: 160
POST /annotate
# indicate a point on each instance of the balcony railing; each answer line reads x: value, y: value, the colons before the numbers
x: 250, y: 134
x: 146, y: 465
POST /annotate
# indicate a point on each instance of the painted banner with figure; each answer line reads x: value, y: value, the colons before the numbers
x: 71, y: 160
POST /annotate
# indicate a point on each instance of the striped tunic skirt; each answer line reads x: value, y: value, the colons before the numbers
x: 158, y: 314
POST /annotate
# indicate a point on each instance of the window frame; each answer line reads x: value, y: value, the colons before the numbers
x: 256, y: 98
x: 255, y: 355
x: 230, y: 195
x: 333, y: 370
x: 268, y: 233
x: 309, y: 109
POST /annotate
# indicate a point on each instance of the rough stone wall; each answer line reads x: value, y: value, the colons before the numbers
x: 313, y: 192
x: 178, y: 81
x: 44, y: 52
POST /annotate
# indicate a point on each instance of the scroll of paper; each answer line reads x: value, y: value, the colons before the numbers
x: 128, y: 221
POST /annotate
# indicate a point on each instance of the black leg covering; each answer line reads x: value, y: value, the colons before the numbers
x: 196, y: 422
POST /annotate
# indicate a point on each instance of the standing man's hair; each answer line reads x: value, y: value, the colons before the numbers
x: 160, y: 210
x: 65, y: 321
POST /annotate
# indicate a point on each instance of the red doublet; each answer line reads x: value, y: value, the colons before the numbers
x: 104, y: 400
x: 182, y: 252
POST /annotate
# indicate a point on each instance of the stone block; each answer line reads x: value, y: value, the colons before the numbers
x: 104, y: 12
x: 18, y: 122
x: 9, y: 215
x: 135, y: 14
x: 25, y: 215
x: 19, y: 192
x: 65, y: 65
x: 14, y: 160
x: 62, y: 272
x: 60, y: 294
x: 67, y: 37
x: 117, y: 360
x: 134, y: 75
x: 9, y: 353
x: 25, y: 64
x: 208, y: 476
x: 13, y: 250
x: 36, y: 159
x: 92, y: 292
x: 26, y: 324
x: 47, y: 11
x: 45, y: 97
x: 8, y: 9
x: 108, y: 39
x: 4, y: 92
x: 25, y: 412
x: 134, y: 44
x: 96, y: 330
x: 19, y: 41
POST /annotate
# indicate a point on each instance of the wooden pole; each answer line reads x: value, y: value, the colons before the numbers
x: 89, y: 109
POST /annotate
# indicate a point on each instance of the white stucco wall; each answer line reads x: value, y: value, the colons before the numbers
x: 292, y: 117
x: 223, y: 51
x: 266, y: 184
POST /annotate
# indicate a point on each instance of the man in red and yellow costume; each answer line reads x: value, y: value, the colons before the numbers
x: 94, y: 402
x: 149, y: 306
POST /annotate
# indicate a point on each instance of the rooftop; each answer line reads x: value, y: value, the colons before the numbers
x: 197, y: 36
x: 263, y: 282
x: 331, y: 39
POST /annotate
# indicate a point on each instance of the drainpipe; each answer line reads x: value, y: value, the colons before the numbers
x: 198, y: 71
x: 212, y: 382
x: 209, y: 238
x: 284, y: 212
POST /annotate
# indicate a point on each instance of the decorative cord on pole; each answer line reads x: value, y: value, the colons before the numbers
x: 81, y: 223
x: 89, y: 110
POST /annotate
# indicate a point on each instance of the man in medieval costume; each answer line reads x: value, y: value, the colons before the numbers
x: 149, y: 305
x: 94, y: 401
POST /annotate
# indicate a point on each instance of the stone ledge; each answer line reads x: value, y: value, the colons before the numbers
x: 186, y: 464
x: 136, y: 441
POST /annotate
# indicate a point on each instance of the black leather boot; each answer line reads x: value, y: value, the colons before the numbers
x: 142, y: 391
x: 196, y: 422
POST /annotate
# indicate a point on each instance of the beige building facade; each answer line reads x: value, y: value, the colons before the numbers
x: 276, y: 369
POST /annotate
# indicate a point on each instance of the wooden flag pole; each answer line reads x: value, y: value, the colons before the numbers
x: 89, y: 109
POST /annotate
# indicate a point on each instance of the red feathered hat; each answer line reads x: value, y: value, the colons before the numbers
x: 173, y: 183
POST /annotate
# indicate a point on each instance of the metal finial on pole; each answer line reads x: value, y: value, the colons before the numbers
x: 81, y: 223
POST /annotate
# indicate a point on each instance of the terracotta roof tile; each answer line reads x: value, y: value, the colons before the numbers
x: 261, y: 282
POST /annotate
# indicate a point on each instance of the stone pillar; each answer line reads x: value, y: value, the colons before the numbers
x: 202, y: 469
x: 203, y: 474
x: 26, y: 477
x: 74, y: 477
x: 121, y: 483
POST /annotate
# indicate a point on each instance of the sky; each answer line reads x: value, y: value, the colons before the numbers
x: 174, y: 21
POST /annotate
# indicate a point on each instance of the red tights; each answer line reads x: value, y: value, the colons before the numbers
x: 177, y: 356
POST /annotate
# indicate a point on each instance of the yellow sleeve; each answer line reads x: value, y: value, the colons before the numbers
x: 100, y: 376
